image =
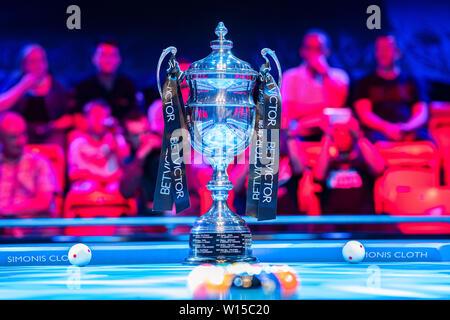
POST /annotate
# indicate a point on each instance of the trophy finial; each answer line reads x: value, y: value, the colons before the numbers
x: 221, y: 31
x: 221, y: 43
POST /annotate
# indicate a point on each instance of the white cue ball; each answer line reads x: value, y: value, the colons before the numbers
x: 353, y: 251
x: 80, y: 255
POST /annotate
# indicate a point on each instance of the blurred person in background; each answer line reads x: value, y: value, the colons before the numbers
x: 140, y: 168
x: 155, y: 117
x: 389, y: 102
x: 238, y: 172
x: 108, y: 83
x: 95, y: 157
x: 39, y: 98
x: 346, y: 170
x: 198, y: 172
x: 306, y: 92
x: 311, y: 87
x: 28, y: 184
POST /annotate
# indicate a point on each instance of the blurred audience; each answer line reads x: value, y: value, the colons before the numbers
x: 140, y: 169
x: 198, y: 172
x: 346, y: 170
x: 108, y: 83
x: 37, y: 109
x: 38, y: 97
x: 307, y: 91
x: 287, y: 184
x: 95, y: 157
x: 311, y: 87
x: 28, y: 184
x: 389, y: 102
x: 156, y: 118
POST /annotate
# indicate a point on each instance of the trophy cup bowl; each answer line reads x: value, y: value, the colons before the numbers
x: 220, y: 116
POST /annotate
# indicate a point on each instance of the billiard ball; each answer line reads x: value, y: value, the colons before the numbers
x: 208, y: 281
x: 353, y: 252
x: 271, y: 285
x: 289, y: 283
x: 198, y: 276
x: 217, y: 282
x: 80, y: 255
x: 288, y: 278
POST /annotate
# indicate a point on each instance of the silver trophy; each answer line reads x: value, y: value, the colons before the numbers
x: 220, y: 117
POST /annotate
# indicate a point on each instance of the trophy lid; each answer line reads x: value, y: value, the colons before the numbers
x: 220, y: 60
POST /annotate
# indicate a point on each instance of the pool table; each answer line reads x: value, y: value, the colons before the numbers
x: 392, y: 269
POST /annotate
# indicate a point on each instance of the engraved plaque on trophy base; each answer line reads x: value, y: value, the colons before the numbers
x: 220, y: 248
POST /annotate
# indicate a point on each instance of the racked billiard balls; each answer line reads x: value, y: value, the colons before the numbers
x: 245, y: 281
x: 245, y: 286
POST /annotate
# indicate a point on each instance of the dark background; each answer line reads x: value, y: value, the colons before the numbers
x: 145, y: 28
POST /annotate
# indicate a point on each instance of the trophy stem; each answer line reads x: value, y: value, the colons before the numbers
x: 220, y: 235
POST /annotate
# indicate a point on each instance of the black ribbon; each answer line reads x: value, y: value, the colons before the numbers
x: 171, y: 183
x: 265, y: 149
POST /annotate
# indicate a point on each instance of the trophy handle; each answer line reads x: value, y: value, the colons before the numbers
x: 271, y: 53
x: 165, y: 52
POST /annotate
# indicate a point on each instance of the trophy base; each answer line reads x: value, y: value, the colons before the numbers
x: 220, y: 235
x: 219, y: 260
x: 218, y: 247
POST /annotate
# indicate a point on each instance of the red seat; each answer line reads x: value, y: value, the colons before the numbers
x: 402, y: 180
x: 409, y: 165
x: 409, y: 154
x: 439, y: 110
x: 433, y: 201
x: 439, y: 127
x: 96, y: 204
x: 442, y: 138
